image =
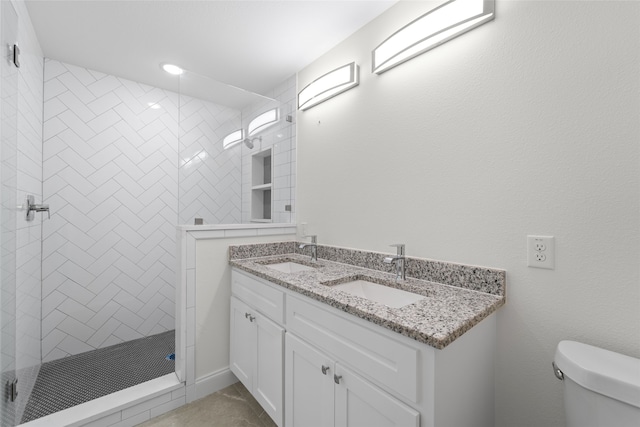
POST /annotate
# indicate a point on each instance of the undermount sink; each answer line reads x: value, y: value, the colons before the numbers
x: 391, y: 297
x: 289, y: 267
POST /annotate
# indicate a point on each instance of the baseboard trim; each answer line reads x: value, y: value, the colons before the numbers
x: 214, y: 382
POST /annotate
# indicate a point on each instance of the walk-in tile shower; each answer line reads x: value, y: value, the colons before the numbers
x: 91, y: 289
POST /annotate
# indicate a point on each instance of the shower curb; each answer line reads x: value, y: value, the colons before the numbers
x: 128, y: 407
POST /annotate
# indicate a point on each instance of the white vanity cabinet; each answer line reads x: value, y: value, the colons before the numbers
x: 257, y: 342
x: 341, y: 370
x: 320, y: 392
x: 308, y: 385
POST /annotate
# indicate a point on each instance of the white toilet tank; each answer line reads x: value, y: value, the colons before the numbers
x: 601, y: 388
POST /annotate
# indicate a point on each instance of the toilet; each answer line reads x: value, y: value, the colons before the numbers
x: 601, y: 388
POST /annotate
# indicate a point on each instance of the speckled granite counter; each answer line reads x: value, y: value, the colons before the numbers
x: 463, y: 297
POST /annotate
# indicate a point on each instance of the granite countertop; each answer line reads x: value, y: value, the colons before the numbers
x: 446, y: 313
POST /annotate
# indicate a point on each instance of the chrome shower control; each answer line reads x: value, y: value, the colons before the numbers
x: 31, y: 207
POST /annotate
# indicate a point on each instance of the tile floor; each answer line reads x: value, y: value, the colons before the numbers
x: 230, y: 407
x: 73, y: 380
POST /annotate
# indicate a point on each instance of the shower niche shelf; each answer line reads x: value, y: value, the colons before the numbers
x: 261, y: 186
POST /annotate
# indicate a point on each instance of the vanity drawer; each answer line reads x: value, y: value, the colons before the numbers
x: 376, y: 355
x: 263, y: 297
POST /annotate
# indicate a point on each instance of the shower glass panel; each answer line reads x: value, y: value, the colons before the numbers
x: 8, y: 215
x: 108, y: 256
x: 220, y: 144
x: 267, y: 162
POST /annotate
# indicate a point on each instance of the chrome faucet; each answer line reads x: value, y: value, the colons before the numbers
x: 399, y: 260
x: 314, y: 247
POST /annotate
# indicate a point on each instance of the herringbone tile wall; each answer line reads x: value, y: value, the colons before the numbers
x: 111, y: 179
x: 209, y: 175
x: 119, y: 172
x: 281, y: 139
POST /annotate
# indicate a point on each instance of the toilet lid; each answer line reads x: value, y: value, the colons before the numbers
x: 606, y: 372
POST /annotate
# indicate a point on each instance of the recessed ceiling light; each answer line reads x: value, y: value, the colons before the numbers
x: 172, y: 69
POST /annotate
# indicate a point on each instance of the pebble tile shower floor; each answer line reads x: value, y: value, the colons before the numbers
x: 72, y: 380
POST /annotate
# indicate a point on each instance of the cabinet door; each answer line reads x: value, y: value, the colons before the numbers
x: 309, y: 384
x: 359, y: 403
x: 242, y: 352
x: 268, y: 377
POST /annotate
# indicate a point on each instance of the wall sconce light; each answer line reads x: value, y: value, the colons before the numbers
x: 329, y: 85
x: 263, y: 121
x: 232, y: 139
x: 435, y: 27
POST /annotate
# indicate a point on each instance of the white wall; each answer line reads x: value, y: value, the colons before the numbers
x: 526, y: 125
x: 213, y: 292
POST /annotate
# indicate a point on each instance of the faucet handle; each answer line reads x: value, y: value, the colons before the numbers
x: 400, y: 247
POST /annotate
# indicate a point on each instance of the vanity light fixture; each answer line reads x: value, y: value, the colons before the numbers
x: 232, y: 139
x: 172, y: 69
x: 329, y: 85
x: 263, y: 121
x: 435, y: 27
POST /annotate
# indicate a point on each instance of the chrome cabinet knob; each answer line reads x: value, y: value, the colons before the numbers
x: 325, y: 369
x: 337, y: 378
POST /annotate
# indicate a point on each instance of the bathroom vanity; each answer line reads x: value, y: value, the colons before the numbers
x: 316, y: 354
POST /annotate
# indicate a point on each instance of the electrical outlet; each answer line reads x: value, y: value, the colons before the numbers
x: 541, y: 252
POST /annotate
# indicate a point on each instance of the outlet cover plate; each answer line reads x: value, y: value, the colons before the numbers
x: 541, y: 252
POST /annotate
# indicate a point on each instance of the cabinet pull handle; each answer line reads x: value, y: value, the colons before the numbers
x: 252, y: 318
x: 246, y: 315
x: 337, y: 378
x: 325, y: 369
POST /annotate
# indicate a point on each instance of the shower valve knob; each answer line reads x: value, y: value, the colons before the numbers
x: 32, y: 207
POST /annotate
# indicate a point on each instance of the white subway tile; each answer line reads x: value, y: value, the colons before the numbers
x: 147, y: 405
x: 109, y: 420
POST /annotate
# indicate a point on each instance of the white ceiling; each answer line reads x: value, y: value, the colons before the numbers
x: 254, y: 45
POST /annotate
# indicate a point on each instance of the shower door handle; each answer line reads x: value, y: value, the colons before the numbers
x: 12, y: 390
